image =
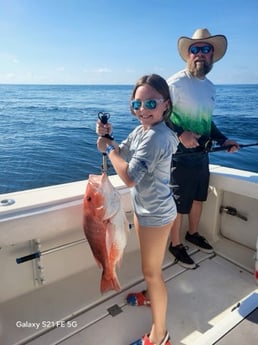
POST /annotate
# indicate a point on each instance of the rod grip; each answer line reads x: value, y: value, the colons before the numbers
x: 104, y: 119
x: 29, y: 257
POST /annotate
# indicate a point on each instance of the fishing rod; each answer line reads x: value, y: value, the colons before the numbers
x: 211, y: 149
x: 104, y: 119
x: 38, y: 254
x: 228, y: 147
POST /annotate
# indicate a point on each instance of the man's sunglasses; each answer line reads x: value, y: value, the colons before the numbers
x: 148, y: 104
x: 205, y: 49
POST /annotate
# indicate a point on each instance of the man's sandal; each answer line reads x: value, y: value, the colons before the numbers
x: 146, y: 341
x: 138, y: 299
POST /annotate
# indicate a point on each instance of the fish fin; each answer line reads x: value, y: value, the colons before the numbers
x: 109, y: 284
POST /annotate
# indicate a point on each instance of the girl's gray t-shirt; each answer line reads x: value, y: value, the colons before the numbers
x: 149, y: 153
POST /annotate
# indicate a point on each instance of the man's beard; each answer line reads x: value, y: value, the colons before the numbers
x: 199, y: 69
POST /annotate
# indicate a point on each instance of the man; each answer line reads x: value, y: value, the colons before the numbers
x: 193, y: 97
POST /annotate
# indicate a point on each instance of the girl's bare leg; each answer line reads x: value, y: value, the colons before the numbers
x: 153, y: 243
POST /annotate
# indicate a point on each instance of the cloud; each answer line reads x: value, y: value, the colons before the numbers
x: 103, y: 70
x: 100, y: 70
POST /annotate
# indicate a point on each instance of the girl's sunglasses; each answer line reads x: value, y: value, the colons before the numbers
x: 205, y: 49
x: 148, y: 104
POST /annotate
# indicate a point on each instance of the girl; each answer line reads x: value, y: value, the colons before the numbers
x: 143, y: 163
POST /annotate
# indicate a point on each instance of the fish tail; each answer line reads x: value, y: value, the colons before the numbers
x: 109, y: 283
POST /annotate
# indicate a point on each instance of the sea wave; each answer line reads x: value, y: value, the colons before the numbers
x: 47, y: 132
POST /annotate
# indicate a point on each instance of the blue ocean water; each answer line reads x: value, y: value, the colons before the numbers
x: 47, y: 132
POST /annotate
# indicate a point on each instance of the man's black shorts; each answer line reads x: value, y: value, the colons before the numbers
x: 189, y: 183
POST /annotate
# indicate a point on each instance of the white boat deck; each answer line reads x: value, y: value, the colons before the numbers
x: 196, y: 307
x: 56, y: 299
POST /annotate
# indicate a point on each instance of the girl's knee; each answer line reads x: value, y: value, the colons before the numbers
x: 150, y: 276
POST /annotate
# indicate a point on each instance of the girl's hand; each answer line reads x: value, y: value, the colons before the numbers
x: 102, y: 129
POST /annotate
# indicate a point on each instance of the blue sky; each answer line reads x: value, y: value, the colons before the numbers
x: 117, y: 41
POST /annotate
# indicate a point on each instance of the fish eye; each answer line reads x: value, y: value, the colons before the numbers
x: 88, y: 198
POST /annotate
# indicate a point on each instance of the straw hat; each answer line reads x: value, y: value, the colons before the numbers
x: 219, y: 43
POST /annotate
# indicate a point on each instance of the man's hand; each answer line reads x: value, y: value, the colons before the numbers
x: 233, y: 148
x: 189, y: 139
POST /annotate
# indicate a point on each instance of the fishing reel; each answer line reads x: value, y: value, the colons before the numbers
x: 205, y: 144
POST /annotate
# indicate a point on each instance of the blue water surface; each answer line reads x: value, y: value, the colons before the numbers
x: 47, y: 132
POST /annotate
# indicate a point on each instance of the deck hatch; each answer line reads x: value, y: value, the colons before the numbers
x: 114, y: 310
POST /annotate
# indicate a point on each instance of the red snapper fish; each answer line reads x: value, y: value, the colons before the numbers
x: 105, y: 227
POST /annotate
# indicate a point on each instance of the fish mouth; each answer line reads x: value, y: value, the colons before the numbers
x: 95, y: 179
